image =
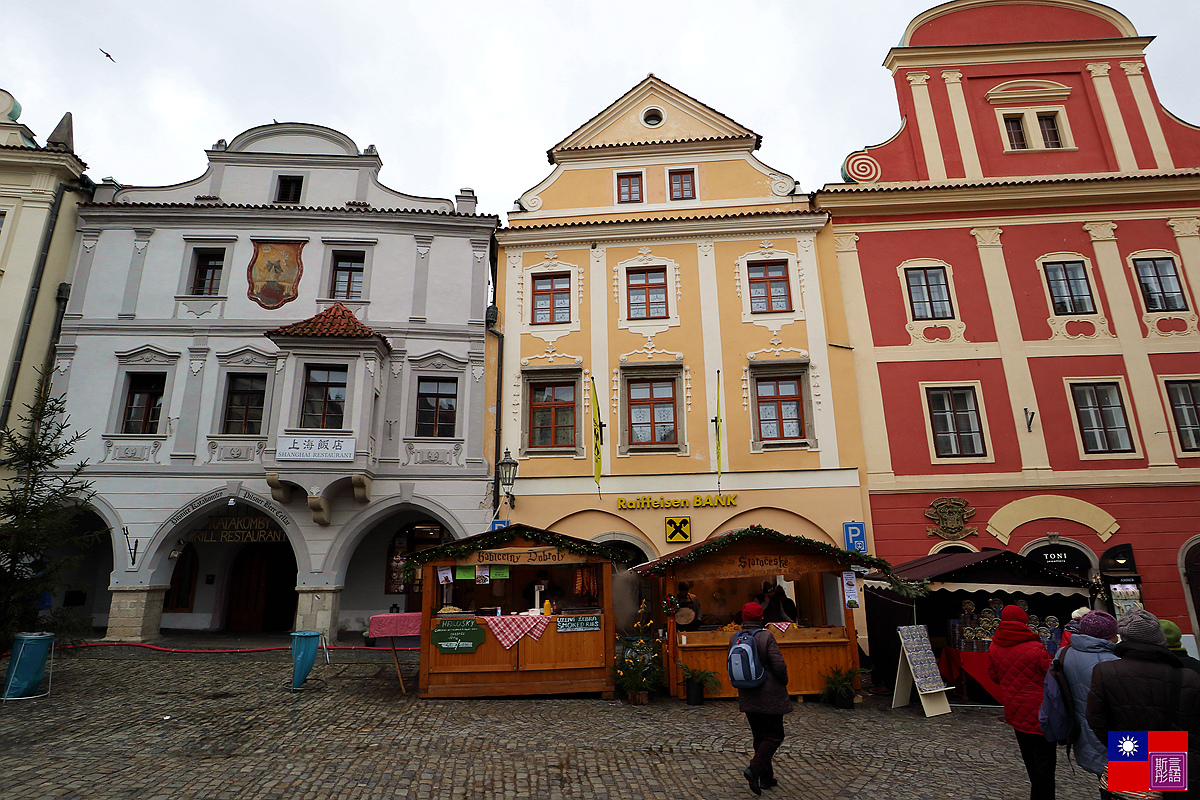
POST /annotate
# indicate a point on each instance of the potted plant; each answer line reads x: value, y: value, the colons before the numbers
x: 697, y: 681
x: 839, y: 686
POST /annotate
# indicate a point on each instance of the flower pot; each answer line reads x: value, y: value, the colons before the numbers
x: 695, y: 692
x: 845, y: 701
x: 638, y: 698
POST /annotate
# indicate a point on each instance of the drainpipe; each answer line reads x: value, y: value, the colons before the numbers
x: 86, y: 187
x: 493, y: 314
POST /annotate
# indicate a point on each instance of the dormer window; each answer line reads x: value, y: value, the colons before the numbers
x: 288, y: 188
x: 629, y: 187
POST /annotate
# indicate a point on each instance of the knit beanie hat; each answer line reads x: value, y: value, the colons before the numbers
x: 1100, y: 624
x: 752, y: 611
x: 1080, y: 612
x: 1141, y: 626
x: 1014, y: 614
x: 1172, y: 633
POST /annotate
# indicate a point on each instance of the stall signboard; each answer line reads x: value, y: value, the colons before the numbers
x: 721, y: 566
x: 457, y: 636
x: 517, y: 556
x: 587, y: 622
x: 915, y: 640
x: 850, y: 587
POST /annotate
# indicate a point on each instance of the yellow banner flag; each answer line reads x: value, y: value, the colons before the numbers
x: 597, y: 436
x: 717, y: 419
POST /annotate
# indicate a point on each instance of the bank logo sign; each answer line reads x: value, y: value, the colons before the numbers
x: 679, y: 529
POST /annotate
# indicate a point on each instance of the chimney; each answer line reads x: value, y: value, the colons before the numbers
x: 63, y: 136
x: 465, y: 201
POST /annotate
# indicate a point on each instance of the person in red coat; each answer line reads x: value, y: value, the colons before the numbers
x: 1017, y: 661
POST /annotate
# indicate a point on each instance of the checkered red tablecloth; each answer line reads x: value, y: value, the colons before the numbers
x: 509, y: 630
x: 782, y: 626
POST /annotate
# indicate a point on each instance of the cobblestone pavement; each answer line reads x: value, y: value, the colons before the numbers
x: 224, y: 726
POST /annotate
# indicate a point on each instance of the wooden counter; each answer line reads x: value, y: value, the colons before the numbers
x: 807, y: 651
x: 573, y: 661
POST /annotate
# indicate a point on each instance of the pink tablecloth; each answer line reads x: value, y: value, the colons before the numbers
x: 509, y: 630
x: 408, y: 624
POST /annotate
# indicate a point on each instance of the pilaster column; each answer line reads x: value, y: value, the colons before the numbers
x: 89, y: 238
x: 931, y: 145
x: 133, y: 281
x: 598, y: 293
x: 962, y: 123
x: 866, y: 368
x: 420, y: 280
x: 188, y: 427
x: 1148, y: 113
x: 1143, y: 388
x: 1187, y: 239
x: 1021, y: 395
x: 713, y: 353
x: 135, y: 613
x: 1113, y: 120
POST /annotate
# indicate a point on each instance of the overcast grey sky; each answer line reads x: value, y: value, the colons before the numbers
x: 472, y: 93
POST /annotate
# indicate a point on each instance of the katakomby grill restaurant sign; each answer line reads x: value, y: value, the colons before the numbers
x: 315, y: 448
x: 456, y: 636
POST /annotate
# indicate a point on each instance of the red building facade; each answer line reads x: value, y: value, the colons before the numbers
x: 1025, y: 255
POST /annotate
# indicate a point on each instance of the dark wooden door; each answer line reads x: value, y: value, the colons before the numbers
x: 262, y: 588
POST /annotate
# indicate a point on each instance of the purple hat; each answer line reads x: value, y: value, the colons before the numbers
x: 1100, y: 624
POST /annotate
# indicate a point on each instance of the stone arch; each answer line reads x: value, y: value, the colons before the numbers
x: 156, y: 568
x: 1181, y: 562
x: 111, y: 518
x: 1074, y: 544
x: 1051, y: 506
x: 337, y: 560
x: 625, y: 538
x: 943, y: 545
x: 584, y: 524
x: 779, y: 519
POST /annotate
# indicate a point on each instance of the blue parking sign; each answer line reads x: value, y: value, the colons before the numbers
x: 856, y: 536
x: 497, y: 524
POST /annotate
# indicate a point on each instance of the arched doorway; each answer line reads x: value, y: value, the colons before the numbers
x: 262, y: 588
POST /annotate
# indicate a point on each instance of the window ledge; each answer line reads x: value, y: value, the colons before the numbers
x: 789, y: 444
x: 201, y: 297
x: 668, y: 449
x: 534, y: 452
x: 316, y: 431
x: 1042, y: 150
x: 946, y: 460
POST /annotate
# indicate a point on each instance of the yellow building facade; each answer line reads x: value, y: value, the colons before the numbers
x: 659, y: 279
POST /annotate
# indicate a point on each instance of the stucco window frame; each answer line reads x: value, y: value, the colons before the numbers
x: 187, y: 272
x: 1151, y: 318
x: 299, y: 366
x: 616, y: 186
x: 333, y: 246
x: 146, y: 360
x: 1033, y: 129
x: 782, y: 368
x: 1163, y: 380
x: 531, y: 375
x: 649, y: 326
x: 985, y: 430
x: 550, y: 331
x: 683, y: 202
x: 772, y: 320
x: 916, y: 327
x: 643, y: 372
x: 437, y: 366
x: 304, y: 176
x: 1058, y: 322
x: 1135, y: 436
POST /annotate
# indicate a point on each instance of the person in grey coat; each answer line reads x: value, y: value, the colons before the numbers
x: 1092, y: 644
x: 764, y: 706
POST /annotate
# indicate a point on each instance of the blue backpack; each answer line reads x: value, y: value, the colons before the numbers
x: 1057, y: 714
x: 746, y: 669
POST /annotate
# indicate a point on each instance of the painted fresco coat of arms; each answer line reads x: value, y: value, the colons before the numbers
x: 274, y: 273
x: 951, y: 515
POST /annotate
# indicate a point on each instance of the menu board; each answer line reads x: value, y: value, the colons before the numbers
x: 590, y: 622
x: 456, y: 636
x: 927, y: 676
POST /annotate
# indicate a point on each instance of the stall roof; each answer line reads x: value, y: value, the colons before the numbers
x: 985, y: 570
x: 699, y: 550
x: 502, y: 536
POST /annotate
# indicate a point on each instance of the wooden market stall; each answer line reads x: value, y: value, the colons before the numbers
x: 483, y: 631
x: 727, y: 570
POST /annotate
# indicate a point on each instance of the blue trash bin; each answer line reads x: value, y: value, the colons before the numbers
x: 27, y: 665
x: 304, y: 655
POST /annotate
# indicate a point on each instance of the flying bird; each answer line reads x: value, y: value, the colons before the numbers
x: 106, y: 55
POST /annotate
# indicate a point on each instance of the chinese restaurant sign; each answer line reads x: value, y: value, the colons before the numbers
x: 315, y: 448
x: 456, y: 636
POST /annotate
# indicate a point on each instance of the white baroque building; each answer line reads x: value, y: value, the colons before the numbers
x: 280, y: 366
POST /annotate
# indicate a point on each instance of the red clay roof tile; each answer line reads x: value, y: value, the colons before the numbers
x: 337, y: 321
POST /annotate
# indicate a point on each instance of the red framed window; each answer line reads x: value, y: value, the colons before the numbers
x: 324, y: 397
x: 629, y: 187
x: 683, y: 184
x: 143, y: 402
x: 647, y: 293
x: 780, y: 409
x: 769, y: 289
x: 551, y: 298
x: 347, y: 279
x: 552, y: 415
x: 206, y: 279
x: 437, y: 406
x: 652, y: 412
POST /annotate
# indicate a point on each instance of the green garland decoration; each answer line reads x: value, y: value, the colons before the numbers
x: 502, y: 536
x: 716, y: 544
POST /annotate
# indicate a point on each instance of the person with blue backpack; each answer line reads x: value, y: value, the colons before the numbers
x: 1093, y: 644
x: 759, y: 673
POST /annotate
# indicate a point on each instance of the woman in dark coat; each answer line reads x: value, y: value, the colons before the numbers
x: 1135, y: 692
x: 1017, y: 660
x: 764, y: 706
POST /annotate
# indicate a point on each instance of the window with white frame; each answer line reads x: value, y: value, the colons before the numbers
x: 1184, y: 396
x: 652, y: 415
x: 956, y: 421
x: 346, y: 280
x: 437, y: 407
x: 551, y: 298
x: 928, y: 293
x: 781, y: 406
x: 1070, y: 291
x: 1159, y: 282
x: 1100, y: 414
x: 769, y: 290
x: 324, y: 401
x: 1035, y: 129
x: 646, y: 290
x: 207, y: 265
